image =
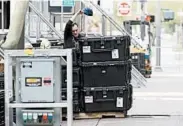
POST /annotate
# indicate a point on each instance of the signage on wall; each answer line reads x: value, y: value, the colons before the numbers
x: 68, y: 3
x: 124, y: 8
x: 65, y: 3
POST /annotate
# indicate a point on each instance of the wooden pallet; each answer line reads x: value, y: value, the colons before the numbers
x: 97, y: 115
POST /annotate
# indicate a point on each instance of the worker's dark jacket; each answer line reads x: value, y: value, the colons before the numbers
x: 69, y: 39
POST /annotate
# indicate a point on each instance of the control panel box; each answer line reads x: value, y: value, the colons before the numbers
x: 38, y: 117
x: 36, y: 78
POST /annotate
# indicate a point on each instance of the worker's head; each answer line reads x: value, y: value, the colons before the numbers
x: 75, y: 30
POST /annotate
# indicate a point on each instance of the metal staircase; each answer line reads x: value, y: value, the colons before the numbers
x: 138, y: 79
x: 55, y: 34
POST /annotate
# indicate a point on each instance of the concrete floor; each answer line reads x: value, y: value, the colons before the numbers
x: 160, y: 103
x: 162, y: 96
x: 141, y: 121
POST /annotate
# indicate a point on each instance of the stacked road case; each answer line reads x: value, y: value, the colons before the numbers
x: 2, y: 118
x: 106, y: 74
x: 2, y: 121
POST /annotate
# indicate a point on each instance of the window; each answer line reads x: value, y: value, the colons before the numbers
x: 54, y: 7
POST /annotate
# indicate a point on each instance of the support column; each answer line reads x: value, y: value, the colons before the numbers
x: 142, y: 25
x: 158, y: 36
x: 103, y: 25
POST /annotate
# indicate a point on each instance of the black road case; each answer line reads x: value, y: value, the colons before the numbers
x: 99, y: 49
x: 130, y: 97
x: 138, y: 60
x: 76, y: 108
x: 76, y: 77
x: 76, y: 99
x: 2, y: 109
x: 106, y: 74
x: 1, y: 81
x: 105, y: 99
x: 76, y: 94
x: 129, y: 76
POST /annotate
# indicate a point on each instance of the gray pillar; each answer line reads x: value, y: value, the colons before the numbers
x: 158, y: 36
x: 150, y: 41
x: 103, y: 25
x: 142, y: 25
x: 21, y: 41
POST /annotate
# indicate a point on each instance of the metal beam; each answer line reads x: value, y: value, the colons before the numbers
x: 38, y: 105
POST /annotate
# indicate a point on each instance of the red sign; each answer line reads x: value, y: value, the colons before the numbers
x: 47, y: 81
x: 124, y: 8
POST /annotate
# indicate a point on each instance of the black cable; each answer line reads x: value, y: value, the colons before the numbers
x: 98, y: 122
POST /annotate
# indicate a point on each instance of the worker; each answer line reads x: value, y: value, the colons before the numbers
x: 71, y: 33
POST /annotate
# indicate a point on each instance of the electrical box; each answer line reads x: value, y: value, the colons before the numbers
x: 36, y: 79
x: 38, y: 117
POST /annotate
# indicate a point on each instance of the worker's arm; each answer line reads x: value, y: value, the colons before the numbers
x: 68, y: 27
x: 75, y: 16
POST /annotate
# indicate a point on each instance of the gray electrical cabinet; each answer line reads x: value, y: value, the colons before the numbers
x: 37, y: 76
x: 37, y: 87
x: 38, y: 81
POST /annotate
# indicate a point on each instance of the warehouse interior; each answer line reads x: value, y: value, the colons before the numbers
x: 124, y: 71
